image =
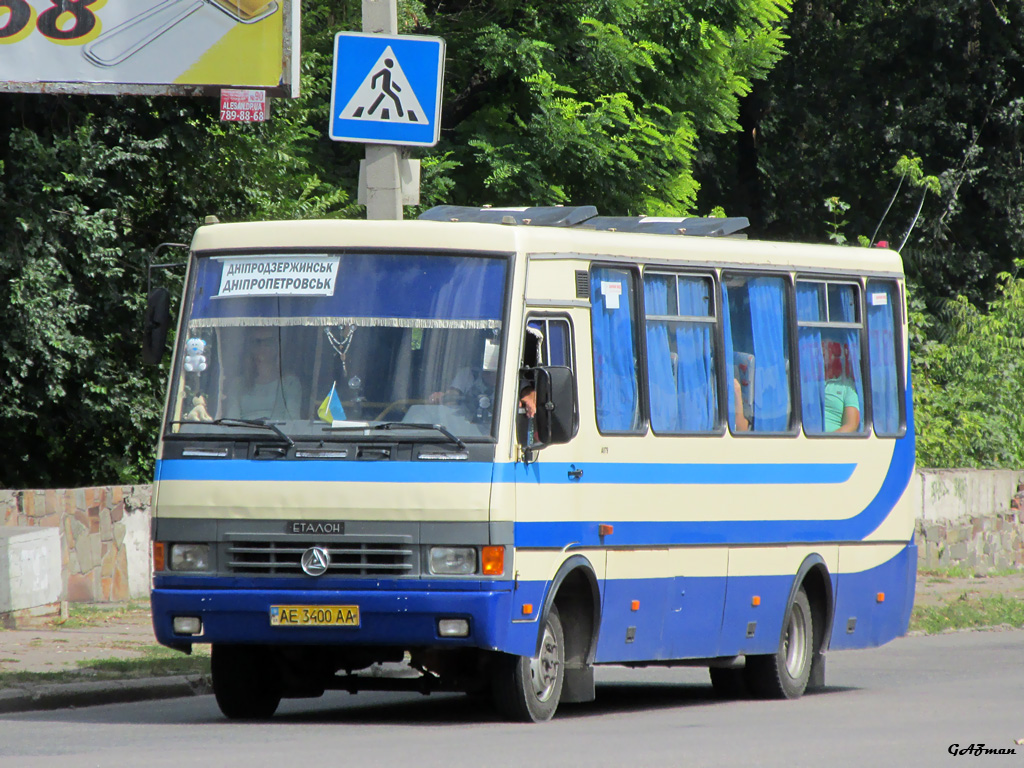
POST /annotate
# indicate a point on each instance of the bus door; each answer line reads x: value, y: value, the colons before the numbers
x: 549, y: 504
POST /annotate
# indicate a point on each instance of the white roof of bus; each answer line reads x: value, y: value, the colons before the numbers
x: 503, y: 238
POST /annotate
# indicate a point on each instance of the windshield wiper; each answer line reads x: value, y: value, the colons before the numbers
x: 264, y: 423
x: 366, y: 427
x: 261, y: 423
x: 435, y: 427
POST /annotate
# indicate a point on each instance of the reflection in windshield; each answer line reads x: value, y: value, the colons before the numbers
x: 275, y: 360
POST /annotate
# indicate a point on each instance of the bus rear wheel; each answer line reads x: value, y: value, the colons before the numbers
x: 245, y: 681
x: 528, y: 689
x: 784, y: 674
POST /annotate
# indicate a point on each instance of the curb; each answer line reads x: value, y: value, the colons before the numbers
x: 49, y: 697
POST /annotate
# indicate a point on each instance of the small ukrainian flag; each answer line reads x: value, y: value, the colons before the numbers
x: 331, y: 409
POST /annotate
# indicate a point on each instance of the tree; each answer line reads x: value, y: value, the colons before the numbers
x: 581, y: 101
x: 968, y: 386
x: 593, y: 101
x: 863, y: 84
x: 91, y: 186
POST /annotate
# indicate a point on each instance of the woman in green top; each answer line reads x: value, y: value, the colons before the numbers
x: 842, y: 406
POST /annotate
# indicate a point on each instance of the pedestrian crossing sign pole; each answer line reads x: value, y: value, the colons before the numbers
x: 387, y: 89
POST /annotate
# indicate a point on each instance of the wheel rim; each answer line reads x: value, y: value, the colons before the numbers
x: 544, y: 667
x: 795, y: 645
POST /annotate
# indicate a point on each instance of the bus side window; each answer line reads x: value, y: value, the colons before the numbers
x: 613, y: 326
x: 829, y: 332
x: 681, y: 356
x: 883, y: 299
x: 548, y: 343
x: 754, y: 318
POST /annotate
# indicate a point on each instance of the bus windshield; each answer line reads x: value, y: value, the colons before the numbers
x: 312, y: 342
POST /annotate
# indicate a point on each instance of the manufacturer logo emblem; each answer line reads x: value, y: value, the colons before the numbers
x: 315, y: 561
x: 314, y: 527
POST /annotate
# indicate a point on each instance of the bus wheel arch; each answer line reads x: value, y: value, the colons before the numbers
x: 575, y: 594
x: 799, y: 663
x: 817, y: 584
x: 529, y: 689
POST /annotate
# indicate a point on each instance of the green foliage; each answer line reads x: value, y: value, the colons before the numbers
x: 581, y: 101
x: 968, y: 613
x: 593, y: 102
x: 91, y: 187
x: 863, y: 84
x: 969, y: 381
x: 836, y: 208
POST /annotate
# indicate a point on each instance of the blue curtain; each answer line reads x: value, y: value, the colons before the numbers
x: 698, y: 397
x: 615, y: 375
x: 730, y: 373
x: 768, y: 321
x: 812, y: 363
x: 660, y: 374
x: 882, y: 356
x: 843, y: 308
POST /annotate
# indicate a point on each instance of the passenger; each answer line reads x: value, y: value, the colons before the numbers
x: 265, y: 391
x: 528, y: 404
x: 467, y: 385
x: 472, y: 389
x: 528, y: 400
x: 842, y: 406
x: 742, y: 422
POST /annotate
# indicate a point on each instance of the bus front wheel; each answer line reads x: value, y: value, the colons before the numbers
x: 784, y: 674
x: 244, y: 681
x: 528, y: 689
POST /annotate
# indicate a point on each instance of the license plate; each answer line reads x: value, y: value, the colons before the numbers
x: 314, y: 615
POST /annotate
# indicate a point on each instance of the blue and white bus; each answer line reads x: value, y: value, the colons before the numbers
x: 492, y: 449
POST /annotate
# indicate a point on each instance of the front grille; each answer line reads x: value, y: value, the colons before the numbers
x: 355, y: 558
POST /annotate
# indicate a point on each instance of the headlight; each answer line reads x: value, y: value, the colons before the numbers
x: 190, y: 557
x: 453, y: 560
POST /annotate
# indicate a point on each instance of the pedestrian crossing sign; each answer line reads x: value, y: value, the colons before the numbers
x: 387, y: 89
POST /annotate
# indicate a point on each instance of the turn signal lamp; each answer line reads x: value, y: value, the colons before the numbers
x: 880, y: 597
x: 158, y: 556
x: 493, y: 560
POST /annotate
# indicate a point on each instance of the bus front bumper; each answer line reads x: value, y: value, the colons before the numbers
x: 400, y: 618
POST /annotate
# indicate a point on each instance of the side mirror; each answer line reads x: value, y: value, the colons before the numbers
x: 557, y: 419
x: 155, y: 326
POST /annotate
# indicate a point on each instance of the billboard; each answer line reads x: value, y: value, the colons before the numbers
x: 148, y: 47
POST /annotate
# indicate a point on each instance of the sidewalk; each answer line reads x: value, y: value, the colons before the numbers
x: 101, y: 655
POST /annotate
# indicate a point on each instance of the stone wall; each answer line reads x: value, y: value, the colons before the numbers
x: 970, y: 518
x: 104, y: 537
x: 983, y: 543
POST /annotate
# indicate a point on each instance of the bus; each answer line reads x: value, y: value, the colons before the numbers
x: 489, y: 450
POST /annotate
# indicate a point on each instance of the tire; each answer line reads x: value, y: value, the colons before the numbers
x: 245, y: 682
x: 528, y: 689
x: 784, y: 674
x: 729, y: 683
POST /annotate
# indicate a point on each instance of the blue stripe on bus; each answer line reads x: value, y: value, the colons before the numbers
x: 545, y: 473
x: 632, y: 533
x: 242, y: 470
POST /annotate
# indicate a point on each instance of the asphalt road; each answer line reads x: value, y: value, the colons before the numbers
x: 901, y: 705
